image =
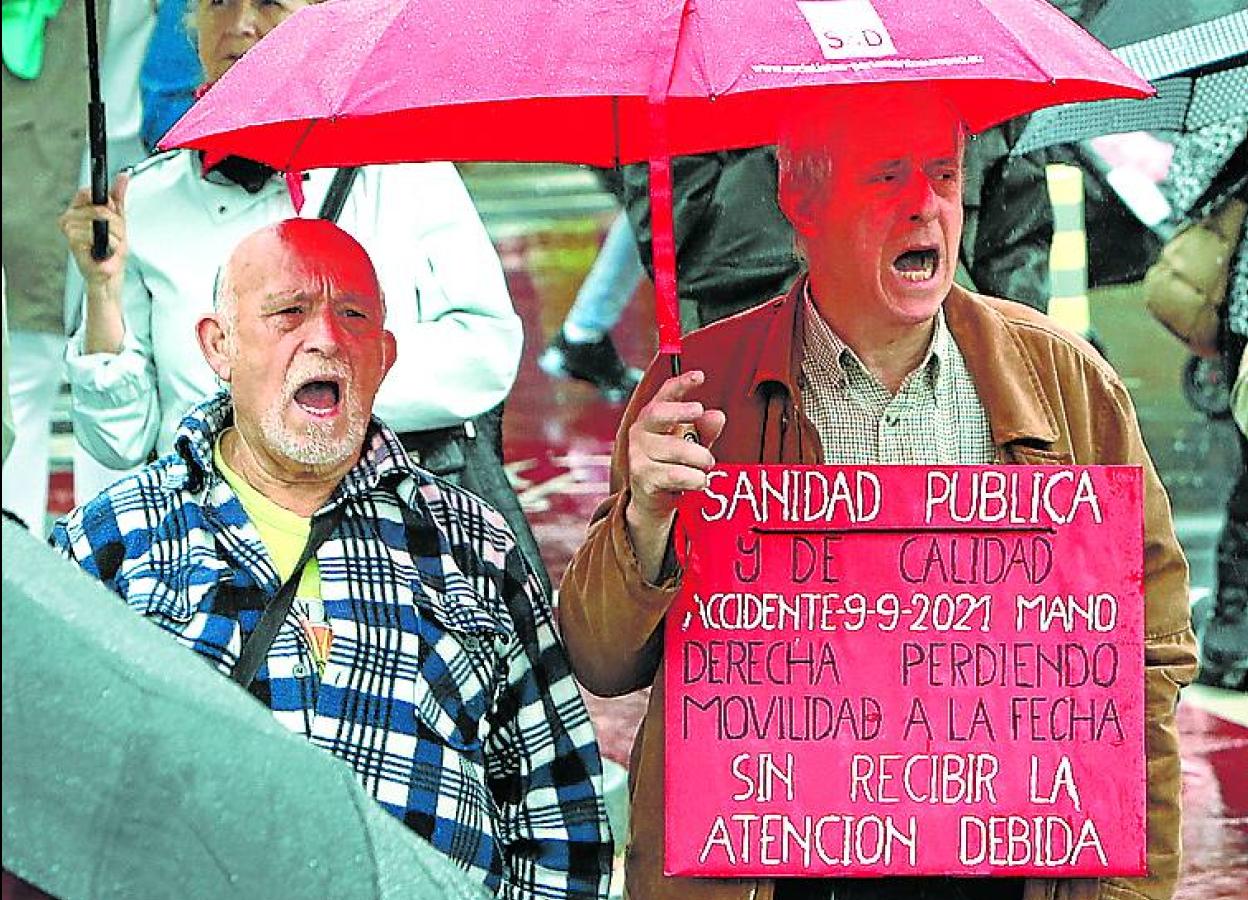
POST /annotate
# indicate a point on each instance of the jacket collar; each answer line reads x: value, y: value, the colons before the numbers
x: 1004, y: 373
x: 383, y: 457
x: 1005, y: 376
x: 780, y: 354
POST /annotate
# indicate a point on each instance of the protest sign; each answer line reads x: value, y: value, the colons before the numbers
x: 908, y: 670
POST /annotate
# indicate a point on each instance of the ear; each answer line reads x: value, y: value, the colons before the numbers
x: 215, y: 346
x: 389, y: 351
x: 799, y: 202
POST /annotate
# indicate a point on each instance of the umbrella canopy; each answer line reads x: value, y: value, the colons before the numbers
x: 401, y: 80
x: 1200, y: 72
x: 132, y: 769
x: 615, y: 81
x: 1122, y: 22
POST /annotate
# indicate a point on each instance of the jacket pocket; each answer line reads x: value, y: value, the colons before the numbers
x: 177, y: 593
x: 460, y: 666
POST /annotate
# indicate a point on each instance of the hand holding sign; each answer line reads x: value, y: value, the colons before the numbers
x: 662, y: 465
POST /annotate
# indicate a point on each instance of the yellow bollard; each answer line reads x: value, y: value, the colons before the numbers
x: 1068, y: 257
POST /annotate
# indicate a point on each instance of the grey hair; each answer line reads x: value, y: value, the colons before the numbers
x: 225, y: 305
x: 804, y: 151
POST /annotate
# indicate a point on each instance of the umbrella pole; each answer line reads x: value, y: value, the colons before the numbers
x: 97, y: 137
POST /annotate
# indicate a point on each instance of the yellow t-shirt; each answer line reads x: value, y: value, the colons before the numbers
x: 285, y: 534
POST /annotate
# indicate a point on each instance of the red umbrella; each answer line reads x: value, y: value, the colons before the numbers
x: 615, y: 81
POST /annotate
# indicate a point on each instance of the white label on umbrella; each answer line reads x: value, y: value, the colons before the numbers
x: 847, y: 29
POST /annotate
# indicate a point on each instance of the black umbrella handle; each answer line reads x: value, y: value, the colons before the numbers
x: 99, y: 178
x: 97, y: 136
x: 685, y: 430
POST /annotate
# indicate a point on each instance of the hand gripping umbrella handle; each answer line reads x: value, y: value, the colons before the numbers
x: 99, y: 182
x: 685, y: 430
x: 99, y: 240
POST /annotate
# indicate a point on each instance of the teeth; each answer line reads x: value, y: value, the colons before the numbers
x: 923, y: 274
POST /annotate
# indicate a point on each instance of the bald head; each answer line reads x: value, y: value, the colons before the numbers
x: 304, y: 242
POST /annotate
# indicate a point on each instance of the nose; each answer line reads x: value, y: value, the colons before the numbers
x: 323, y: 332
x: 245, y: 19
x: 922, y: 199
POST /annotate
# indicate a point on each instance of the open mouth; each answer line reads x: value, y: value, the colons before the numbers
x: 917, y: 265
x: 319, y: 397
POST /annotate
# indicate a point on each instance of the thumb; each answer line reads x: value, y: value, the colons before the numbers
x: 710, y: 427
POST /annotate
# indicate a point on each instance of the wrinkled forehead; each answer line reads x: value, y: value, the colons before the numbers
x: 304, y: 259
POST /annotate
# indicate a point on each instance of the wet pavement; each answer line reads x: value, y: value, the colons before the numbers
x: 558, y: 437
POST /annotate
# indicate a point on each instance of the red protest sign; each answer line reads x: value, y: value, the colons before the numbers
x: 908, y: 670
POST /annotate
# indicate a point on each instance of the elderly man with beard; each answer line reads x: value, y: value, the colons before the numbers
x: 384, y: 614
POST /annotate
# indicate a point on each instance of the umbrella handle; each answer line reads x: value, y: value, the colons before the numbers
x: 685, y: 430
x: 99, y: 240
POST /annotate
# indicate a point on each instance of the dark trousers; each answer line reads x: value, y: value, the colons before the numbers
x: 473, y: 459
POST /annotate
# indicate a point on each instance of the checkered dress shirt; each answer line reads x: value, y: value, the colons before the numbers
x: 935, y: 418
x: 445, y: 689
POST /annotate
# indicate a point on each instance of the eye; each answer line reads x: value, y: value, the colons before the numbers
x: 349, y: 310
x: 294, y: 309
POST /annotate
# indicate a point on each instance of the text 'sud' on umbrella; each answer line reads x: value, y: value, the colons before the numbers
x: 604, y: 82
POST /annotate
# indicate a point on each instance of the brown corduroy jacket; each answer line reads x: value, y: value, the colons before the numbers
x: 1050, y: 399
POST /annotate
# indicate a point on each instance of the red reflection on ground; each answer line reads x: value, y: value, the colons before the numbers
x: 1215, y: 801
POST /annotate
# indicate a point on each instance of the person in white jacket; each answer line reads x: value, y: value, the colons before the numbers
x: 132, y: 369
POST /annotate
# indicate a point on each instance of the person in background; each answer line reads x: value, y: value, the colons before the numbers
x: 734, y: 248
x: 875, y: 356
x: 1210, y: 170
x: 45, y: 128
x: 383, y: 613
x: 582, y: 348
x: 170, y: 75
x: 175, y: 222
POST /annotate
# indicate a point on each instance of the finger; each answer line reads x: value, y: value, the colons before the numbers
x: 667, y: 481
x: 673, y: 449
x: 80, y: 235
x: 710, y: 426
x: 677, y: 387
x: 76, y: 222
x: 663, y: 418
x: 118, y: 192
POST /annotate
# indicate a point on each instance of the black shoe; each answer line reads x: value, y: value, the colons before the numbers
x: 1222, y: 631
x: 594, y: 361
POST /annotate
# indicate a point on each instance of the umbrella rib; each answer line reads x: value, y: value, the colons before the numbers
x: 399, y: 9
x: 1022, y: 45
x: 299, y: 142
x: 615, y: 127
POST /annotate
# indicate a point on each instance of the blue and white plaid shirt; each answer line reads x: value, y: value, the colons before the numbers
x: 446, y: 688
